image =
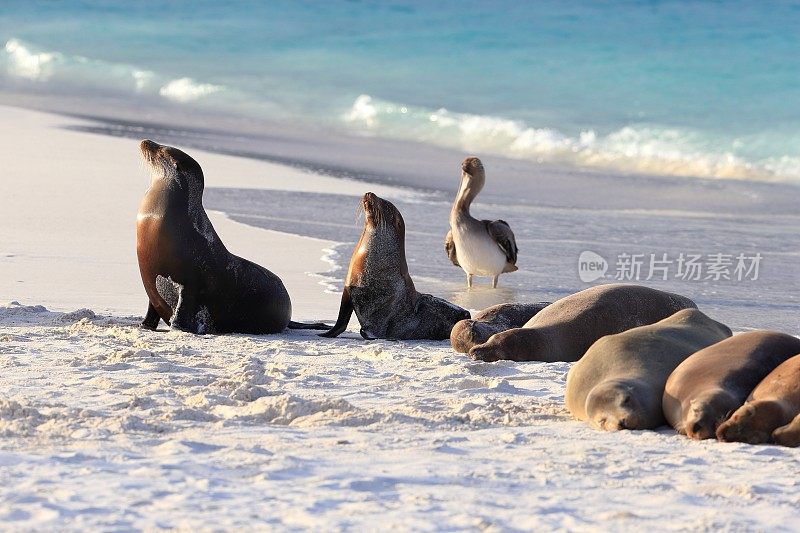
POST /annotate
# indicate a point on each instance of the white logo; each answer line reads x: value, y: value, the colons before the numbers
x: 591, y: 266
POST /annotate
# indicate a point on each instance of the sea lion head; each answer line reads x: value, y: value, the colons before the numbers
x: 468, y: 333
x: 381, y: 214
x: 752, y: 423
x: 621, y: 404
x: 167, y: 162
x: 706, y: 412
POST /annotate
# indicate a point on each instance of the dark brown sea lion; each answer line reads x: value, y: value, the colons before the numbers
x: 501, y: 317
x: 565, y: 329
x: 192, y: 281
x: 619, y: 382
x: 380, y: 290
x: 711, y: 384
x: 774, y: 403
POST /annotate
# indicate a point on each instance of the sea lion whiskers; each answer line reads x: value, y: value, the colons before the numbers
x: 157, y: 161
x: 359, y: 214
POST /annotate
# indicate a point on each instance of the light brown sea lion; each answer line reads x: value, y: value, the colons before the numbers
x: 706, y: 388
x: 618, y: 384
x: 379, y: 288
x: 494, y: 319
x: 192, y: 281
x: 788, y: 435
x: 774, y: 403
x: 565, y: 329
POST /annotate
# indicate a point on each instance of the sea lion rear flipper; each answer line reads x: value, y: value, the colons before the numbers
x: 345, y: 312
x: 151, y: 318
x: 303, y: 325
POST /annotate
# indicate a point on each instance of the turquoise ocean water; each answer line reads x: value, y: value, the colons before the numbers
x: 708, y: 89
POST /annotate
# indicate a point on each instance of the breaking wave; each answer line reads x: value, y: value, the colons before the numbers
x: 634, y: 148
x: 25, y: 62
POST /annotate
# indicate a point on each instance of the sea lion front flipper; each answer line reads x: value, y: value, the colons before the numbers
x: 151, y: 318
x: 484, y: 353
x: 345, y: 312
x: 186, y: 311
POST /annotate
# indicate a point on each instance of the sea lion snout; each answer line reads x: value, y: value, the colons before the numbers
x: 616, y: 405
x: 147, y: 146
x: 607, y: 424
x: 368, y: 202
x: 149, y: 149
x: 698, y: 431
x: 155, y: 153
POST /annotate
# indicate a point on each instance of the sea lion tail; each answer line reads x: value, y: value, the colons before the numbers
x: 303, y: 325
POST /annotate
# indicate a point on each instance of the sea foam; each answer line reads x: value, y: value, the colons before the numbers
x: 634, y: 148
x: 187, y: 90
x: 28, y: 63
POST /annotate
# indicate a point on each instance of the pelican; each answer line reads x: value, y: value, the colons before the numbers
x: 480, y: 247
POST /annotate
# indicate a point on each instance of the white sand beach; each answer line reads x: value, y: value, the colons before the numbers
x: 105, y: 426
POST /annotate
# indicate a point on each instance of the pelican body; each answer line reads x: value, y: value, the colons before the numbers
x: 485, y: 248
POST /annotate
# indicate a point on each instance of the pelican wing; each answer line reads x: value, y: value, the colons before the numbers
x: 504, y: 237
x: 450, y: 248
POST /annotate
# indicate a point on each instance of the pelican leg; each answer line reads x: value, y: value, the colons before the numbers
x: 469, y: 281
x: 494, y: 281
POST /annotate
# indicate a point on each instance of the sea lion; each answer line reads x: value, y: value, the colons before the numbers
x: 380, y: 290
x: 192, y: 282
x: 774, y: 403
x: 618, y: 384
x: 479, y: 247
x: 501, y: 317
x: 565, y: 329
x: 788, y: 435
x: 706, y: 388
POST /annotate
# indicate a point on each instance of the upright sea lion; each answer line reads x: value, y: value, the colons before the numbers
x: 565, y: 329
x: 479, y: 247
x: 618, y: 384
x: 501, y: 317
x: 788, y: 435
x: 706, y: 388
x: 774, y: 403
x: 192, y: 281
x: 380, y: 290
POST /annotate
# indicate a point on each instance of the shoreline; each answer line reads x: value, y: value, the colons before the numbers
x: 553, y: 225
x: 395, y: 162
